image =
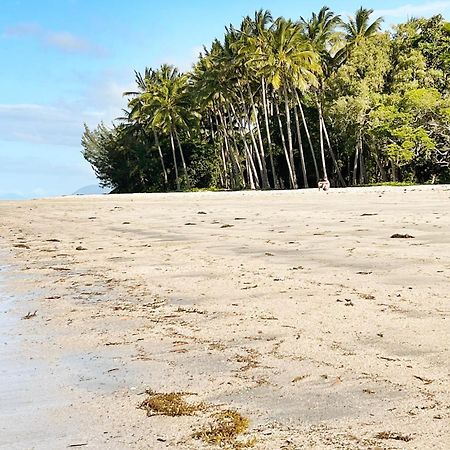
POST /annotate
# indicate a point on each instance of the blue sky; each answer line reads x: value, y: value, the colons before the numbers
x: 66, y: 62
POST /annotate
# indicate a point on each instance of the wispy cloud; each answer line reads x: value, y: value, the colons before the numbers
x: 62, y: 123
x: 40, y: 124
x: 61, y: 40
x: 409, y: 10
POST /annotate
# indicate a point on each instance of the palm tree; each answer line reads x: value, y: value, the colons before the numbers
x: 136, y: 117
x: 359, y: 26
x: 287, y: 63
x: 255, y: 35
x: 357, y: 29
x: 321, y: 31
x: 171, y: 109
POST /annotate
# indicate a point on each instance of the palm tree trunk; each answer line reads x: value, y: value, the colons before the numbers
x: 283, y: 141
x: 235, y: 148
x: 269, y: 137
x: 300, y: 147
x: 223, y: 158
x: 252, y: 135
x: 226, y: 142
x: 333, y: 156
x: 188, y: 184
x: 322, y: 148
x: 355, y: 164
x: 249, y: 172
x: 394, y: 171
x: 249, y: 156
x: 264, y: 175
x: 305, y: 125
x: 234, y: 160
x: 380, y: 168
x: 166, y: 181
x: 213, y: 141
x: 289, y: 134
x: 362, y: 168
x: 177, y: 180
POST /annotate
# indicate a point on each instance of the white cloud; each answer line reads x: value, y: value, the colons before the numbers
x: 40, y: 124
x: 61, y: 40
x: 409, y: 10
x: 62, y: 123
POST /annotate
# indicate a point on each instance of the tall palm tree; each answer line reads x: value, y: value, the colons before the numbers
x: 255, y: 35
x: 287, y: 63
x: 136, y: 117
x: 323, y: 35
x: 357, y: 29
x: 359, y: 26
x: 171, y: 109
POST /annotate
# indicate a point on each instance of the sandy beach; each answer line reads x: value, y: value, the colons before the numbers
x: 296, y: 309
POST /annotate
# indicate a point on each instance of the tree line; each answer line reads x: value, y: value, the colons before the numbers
x: 280, y: 103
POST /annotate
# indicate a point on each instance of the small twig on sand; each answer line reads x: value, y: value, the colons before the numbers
x: 29, y: 315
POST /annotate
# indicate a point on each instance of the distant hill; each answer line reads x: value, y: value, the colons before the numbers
x: 93, y: 189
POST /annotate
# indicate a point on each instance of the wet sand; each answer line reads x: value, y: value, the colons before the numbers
x: 296, y: 309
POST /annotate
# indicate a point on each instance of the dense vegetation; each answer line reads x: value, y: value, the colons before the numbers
x: 282, y: 104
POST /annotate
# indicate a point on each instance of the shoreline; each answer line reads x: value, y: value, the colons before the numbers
x: 377, y: 188
x: 298, y: 316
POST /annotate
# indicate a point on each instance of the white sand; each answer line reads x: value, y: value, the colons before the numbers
x: 303, y: 315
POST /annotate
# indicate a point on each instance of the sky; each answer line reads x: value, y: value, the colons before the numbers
x: 67, y: 62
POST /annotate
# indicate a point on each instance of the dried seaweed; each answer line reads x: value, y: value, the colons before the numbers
x: 225, y: 429
x: 394, y: 436
x: 169, y: 404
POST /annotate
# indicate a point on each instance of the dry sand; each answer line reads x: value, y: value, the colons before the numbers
x: 296, y: 309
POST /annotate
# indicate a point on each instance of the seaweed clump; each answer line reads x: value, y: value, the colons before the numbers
x: 394, y: 436
x: 169, y: 404
x: 225, y: 430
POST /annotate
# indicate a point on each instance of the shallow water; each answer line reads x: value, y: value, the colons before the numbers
x: 27, y: 390
x: 46, y: 389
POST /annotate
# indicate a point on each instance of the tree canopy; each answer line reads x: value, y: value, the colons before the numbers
x: 283, y: 103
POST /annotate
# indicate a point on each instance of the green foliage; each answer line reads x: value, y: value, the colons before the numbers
x: 288, y: 100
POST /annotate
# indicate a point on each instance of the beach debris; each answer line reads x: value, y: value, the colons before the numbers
x: 424, y: 380
x: 269, y: 254
x: 402, y: 236
x: 240, y: 218
x: 369, y: 214
x: 227, y: 226
x: 77, y: 445
x: 53, y: 240
x: 394, y: 436
x: 363, y: 273
x: 203, y: 213
x: 386, y: 358
x: 367, y: 296
x: 190, y: 223
x: 170, y: 404
x: 80, y: 248
x: 299, y: 378
x: 21, y: 246
x: 125, y: 223
x: 225, y: 429
x: 347, y: 301
x: 29, y: 315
